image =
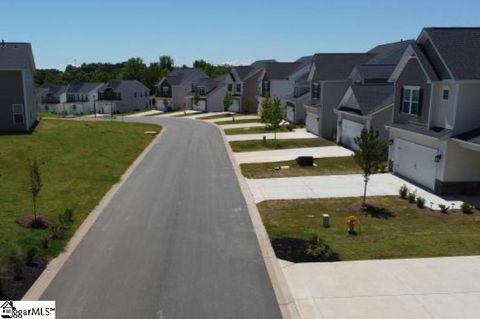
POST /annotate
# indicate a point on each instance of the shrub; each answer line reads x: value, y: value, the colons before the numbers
x: 403, y: 191
x: 412, y: 196
x: 443, y: 208
x: 57, y: 231
x: 31, y: 253
x: 290, y: 127
x: 420, y: 202
x: 68, y: 215
x: 467, y: 208
x: 45, y: 243
x: 316, y: 247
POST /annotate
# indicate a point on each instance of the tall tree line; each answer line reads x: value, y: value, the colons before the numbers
x: 132, y: 69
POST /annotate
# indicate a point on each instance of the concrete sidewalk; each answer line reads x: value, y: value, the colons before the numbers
x: 202, y: 115
x: 147, y: 113
x: 237, y: 118
x: 300, y: 133
x: 170, y: 114
x: 242, y: 125
x: 332, y: 186
x: 442, y: 288
x: 291, y: 154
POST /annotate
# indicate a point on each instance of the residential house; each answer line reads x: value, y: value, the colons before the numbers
x: 247, y: 79
x: 212, y: 93
x: 435, y: 133
x: 294, y: 110
x: 172, y: 91
x: 368, y: 101
x: 329, y: 80
x: 18, y: 109
x: 120, y: 96
x: 79, y: 98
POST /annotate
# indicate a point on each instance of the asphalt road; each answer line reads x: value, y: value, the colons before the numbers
x: 175, y: 242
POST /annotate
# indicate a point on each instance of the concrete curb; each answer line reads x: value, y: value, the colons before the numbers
x: 54, y: 266
x: 280, y: 286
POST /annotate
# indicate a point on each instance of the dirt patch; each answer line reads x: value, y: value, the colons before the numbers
x: 41, y: 222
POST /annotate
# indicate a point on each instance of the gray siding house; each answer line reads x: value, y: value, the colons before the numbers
x: 18, y: 109
x: 212, y: 93
x: 368, y: 101
x: 294, y: 109
x: 435, y: 132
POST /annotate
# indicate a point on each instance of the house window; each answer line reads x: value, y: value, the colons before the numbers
x: 230, y: 87
x: 18, y: 113
x: 146, y: 93
x: 411, y: 100
x: 165, y: 91
x: 134, y: 94
x: 201, y: 90
x: 238, y: 88
x: 446, y: 93
x: 265, y: 88
x: 315, y: 90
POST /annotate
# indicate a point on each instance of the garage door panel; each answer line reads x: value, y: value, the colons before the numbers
x: 416, y: 162
x: 350, y: 130
x: 312, y: 123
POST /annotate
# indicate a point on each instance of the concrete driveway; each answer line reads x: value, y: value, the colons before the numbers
x: 176, y: 240
x: 336, y: 186
x: 440, y: 288
x: 291, y: 154
x: 146, y: 113
x: 300, y: 133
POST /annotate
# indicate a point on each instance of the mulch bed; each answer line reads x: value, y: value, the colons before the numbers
x: 293, y: 249
x: 15, y: 289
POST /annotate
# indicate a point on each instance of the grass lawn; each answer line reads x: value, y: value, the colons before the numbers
x: 216, y: 116
x: 41, y: 115
x: 78, y: 161
x: 257, y: 145
x: 253, y: 130
x: 238, y: 120
x: 398, y: 230
x: 188, y: 114
x: 325, y: 166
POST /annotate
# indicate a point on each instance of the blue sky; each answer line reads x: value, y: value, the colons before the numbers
x: 241, y: 31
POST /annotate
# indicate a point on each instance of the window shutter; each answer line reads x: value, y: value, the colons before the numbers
x: 401, y: 100
x: 420, y: 101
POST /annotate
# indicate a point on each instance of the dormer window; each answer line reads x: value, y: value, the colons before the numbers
x: 411, y: 100
x: 201, y: 90
x: 165, y: 90
x: 446, y: 93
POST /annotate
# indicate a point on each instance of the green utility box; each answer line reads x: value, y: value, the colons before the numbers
x: 326, y: 220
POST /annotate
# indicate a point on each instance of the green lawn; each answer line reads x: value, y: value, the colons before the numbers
x: 238, y: 120
x: 188, y: 114
x: 398, y: 230
x: 79, y: 162
x: 41, y: 115
x: 257, y: 145
x: 216, y: 116
x: 324, y: 166
x: 253, y: 130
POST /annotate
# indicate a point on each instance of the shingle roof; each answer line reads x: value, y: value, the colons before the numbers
x: 472, y: 136
x: 16, y: 56
x: 118, y: 85
x: 424, y: 61
x: 389, y: 53
x: 280, y: 70
x: 337, y: 66
x: 56, y: 90
x: 375, y: 71
x: 83, y: 87
x: 460, y: 49
x: 371, y: 97
x: 178, y: 76
x: 421, y: 129
x: 261, y: 63
x: 242, y: 71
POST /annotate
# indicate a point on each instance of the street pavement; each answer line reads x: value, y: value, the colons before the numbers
x: 175, y: 242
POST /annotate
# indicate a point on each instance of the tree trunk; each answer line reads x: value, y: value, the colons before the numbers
x: 364, y: 203
x: 34, y: 209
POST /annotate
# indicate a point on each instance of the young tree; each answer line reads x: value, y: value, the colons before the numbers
x: 227, y: 102
x: 272, y: 114
x: 371, y: 154
x: 35, y: 187
x: 195, y: 100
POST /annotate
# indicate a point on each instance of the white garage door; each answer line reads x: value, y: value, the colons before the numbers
x: 350, y: 130
x: 290, y: 113
x: 201, y: 106
x: 235, y: 107
x: 312, y: 123
x: 415, y: 162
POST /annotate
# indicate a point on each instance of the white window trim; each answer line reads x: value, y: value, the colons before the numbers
x: 410, y: 88
x: 14, y: 113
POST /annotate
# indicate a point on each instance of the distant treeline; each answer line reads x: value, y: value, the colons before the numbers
x: 132, y: 69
